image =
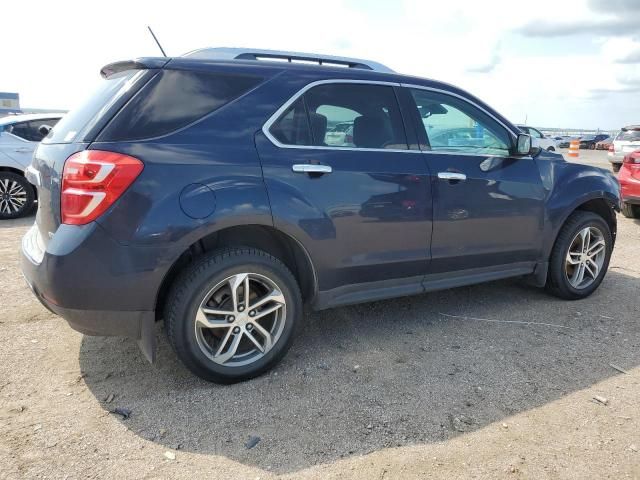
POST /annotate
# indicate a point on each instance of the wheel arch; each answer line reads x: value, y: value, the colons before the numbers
x: 601, y: 205
x: 263, y: 237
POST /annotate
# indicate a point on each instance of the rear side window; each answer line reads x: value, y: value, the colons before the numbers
x: 347, y: 115
x: 93, y: 108
x: 31, y: 130
x: 174, y: 99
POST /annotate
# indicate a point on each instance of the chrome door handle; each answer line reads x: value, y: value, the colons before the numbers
x: 452, y: 176
x: 311, y: 168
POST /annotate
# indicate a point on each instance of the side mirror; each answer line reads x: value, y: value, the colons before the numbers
x: 523, y: 144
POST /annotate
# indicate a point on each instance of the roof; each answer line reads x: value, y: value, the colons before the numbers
x: 224, y: 53
x: 29, y: 116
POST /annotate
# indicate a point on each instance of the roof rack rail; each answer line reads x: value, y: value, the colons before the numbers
x: 290, y: 57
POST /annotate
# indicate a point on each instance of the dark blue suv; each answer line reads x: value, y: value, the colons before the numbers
x: 223, y: 190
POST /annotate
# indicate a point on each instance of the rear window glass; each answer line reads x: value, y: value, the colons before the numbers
x: 629, y: 135
x: 91, y: 110
x: 174, y: 99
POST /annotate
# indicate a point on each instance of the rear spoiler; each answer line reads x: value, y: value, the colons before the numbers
x: 137, y: 64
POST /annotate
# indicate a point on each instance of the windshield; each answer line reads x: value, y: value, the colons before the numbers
x: 629, y: 135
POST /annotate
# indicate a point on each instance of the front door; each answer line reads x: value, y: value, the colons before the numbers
x: 488, y: 206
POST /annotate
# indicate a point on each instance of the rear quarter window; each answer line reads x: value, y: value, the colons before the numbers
x: 174, y: 99
x: 88, y: 113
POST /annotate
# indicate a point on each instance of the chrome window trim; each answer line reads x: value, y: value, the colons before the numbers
x: 273, y: 118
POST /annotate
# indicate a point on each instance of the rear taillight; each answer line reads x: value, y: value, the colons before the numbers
x: 633, y: 158
x: 92, y: 181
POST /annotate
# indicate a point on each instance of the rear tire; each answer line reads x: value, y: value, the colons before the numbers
x: 551, y: 149
x: 17, y: 196
x: 630, y: 211
x: 569, y: 254
x: 225, y: 337
x: 615, y: 167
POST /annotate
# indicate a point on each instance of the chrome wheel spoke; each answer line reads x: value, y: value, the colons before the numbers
x: 274, y: 296
x: 254, y: 340
x: 573, y: 258
x: 268, y: 340
x: 267, y: 311
x: 234, y: 283
x: 595, y: 248
x: 233, y: 348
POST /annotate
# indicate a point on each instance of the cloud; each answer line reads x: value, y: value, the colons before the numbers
x: 609, y: 18
x: 631, y: 58
x: 486, y: 67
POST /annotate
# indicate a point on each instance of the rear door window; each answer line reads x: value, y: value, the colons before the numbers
x: 174, y: 99
x: 344, y: 115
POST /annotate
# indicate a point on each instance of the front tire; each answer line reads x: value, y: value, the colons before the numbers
x: 580, y: 256
x: 16, y: 196
x: 232, y: 315
x: 630, y: 211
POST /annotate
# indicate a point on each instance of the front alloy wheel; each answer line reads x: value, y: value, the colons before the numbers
x: 585, y: 257
x: 580, y: 256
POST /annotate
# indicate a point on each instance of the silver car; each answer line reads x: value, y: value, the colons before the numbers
x: 19, y: 137
x: 627, y: 141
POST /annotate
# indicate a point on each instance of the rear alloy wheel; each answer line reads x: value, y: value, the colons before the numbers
x: 16, y: 196
x: 580, y: 256
x: 232, y: 316
x: 630, y: 211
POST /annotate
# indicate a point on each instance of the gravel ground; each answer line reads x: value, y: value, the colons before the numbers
x: 490, y: 381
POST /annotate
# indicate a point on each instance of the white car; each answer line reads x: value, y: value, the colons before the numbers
x: 627, y: 141
x: 19, y: 137
x: 538, y: 139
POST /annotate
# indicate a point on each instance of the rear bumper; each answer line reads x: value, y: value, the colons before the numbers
x: 92, y: 282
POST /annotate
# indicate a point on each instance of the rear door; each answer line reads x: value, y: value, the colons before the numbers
x: 360, y: 204
x: 487, y: 205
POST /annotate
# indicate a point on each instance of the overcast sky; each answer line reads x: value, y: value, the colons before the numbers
x: 571, y: 63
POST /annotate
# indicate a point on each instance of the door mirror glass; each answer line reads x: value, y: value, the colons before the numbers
x: 523, y: 144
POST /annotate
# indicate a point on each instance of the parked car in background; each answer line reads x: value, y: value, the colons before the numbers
x: 627, y: 141
x: 221, y: 209
x: 539, y: 139
x: 604, y: 144
x: 629, y: 178
x: 19, y: 136
x: 567, y: 141
x: 341, y: 134
x: 589, y: 141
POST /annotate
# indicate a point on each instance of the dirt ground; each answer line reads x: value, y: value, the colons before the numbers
x: 489, y: 381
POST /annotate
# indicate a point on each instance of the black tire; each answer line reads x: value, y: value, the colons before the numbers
x: 551, y: 149
x: 616, y: 167
x: 196, y: 283
x: 630, y: 211
x: 592, y: 146
x: 557, y: 282
x: 8, y: 207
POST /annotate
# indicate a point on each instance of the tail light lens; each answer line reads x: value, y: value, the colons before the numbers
x: 92, y: 181
x: 632, y: 158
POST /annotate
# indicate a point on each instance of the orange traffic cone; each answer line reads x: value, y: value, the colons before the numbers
x: 574, y: 148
